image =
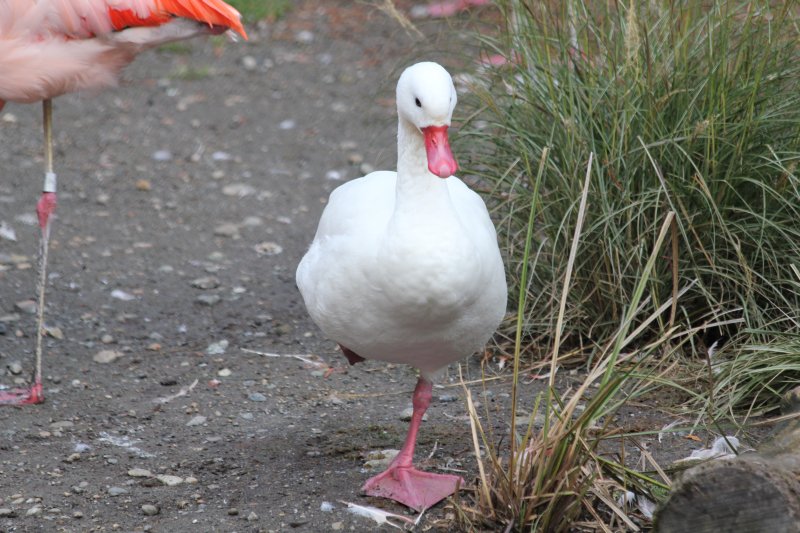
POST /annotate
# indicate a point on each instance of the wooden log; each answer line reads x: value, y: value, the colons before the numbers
x: 754, y: 492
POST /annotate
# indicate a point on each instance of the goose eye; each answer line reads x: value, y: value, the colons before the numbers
x: 416, y: 101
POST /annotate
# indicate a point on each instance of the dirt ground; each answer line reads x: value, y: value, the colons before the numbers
x: 187, y: 197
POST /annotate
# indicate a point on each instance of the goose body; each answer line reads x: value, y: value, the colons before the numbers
x: 405, y: 265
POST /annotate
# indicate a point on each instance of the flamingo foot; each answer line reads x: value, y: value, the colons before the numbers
x: 413, y: 488
x: 33, y: 395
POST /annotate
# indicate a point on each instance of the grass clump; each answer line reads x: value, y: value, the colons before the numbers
x: 691, y: 108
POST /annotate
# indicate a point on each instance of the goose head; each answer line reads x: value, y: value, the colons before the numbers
x: 425, y: 100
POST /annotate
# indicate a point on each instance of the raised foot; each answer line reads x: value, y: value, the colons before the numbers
x: 413, y: 488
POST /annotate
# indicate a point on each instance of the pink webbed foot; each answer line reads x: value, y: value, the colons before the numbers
x: 413, y: 488
x: 33, y: 395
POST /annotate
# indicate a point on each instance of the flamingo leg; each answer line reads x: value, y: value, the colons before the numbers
x: 401, y: 481
x: 45, y: 207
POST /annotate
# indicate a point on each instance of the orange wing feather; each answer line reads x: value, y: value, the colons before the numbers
x: 211, y: 12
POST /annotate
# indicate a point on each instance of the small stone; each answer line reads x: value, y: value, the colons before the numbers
x: 304, y: 37
x: 287, y: 124
x: 107, y: 356
x: 334, y: 175
x: 162, y: 155
x: 143, y: 185
x: 233, y: 511
x: 15, y: 368
x: 252, y: 517
x: 268, y: 248
x: 117, y: 491
x: 224, y: 373
x: 106, y: 339
x: 246, y: 416
x: 77, y: 515
x: 221, y: 156
x: 380, y: 459
x: 337, y: 526
x: 33, y: 511
x: 170, y: 481
x: 150, y: 510
x: 5, y: 512
x: 198, y: 420
x: 26, y: 306
x: 217, y: 348
x: 447, y: 398
x: 366, y: 168
x: 190, y: 480
x: 139, y: 472
x: 205, y: 283
x: 239, y: 190
x: 119, y: 294
x: 226, y: 229
x: 73, y: 457
x: 257, y: 397
x: 62, y: 424
x: 208, y: 299
x: 407, y: 413
x: 355, y: 158
x: 249, y: 63
x: 54, y: 332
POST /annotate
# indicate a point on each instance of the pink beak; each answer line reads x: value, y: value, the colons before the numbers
x: 440, y: 159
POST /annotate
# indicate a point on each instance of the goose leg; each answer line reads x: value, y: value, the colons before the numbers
x: 401, y: 481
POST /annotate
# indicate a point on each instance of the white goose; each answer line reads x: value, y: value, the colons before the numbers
x: 405, y: 268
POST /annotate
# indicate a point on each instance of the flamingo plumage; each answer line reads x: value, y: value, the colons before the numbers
x: 52, y: 47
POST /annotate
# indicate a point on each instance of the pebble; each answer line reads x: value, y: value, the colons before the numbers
x: 239, y: 190
x: 249, y: 63
x: 150, y: 510
x: 221, y: 156
x: 5, y: 512
x: 106, y: 356
x: 26, y: 306
x: 106, y: 339
x: 447, y: 398
x: 139, y: 472
x: 122, y: 295
x: 217, y: 348
x: 55, y: 332
x: 77, y: 515
x: 198, y: 420
x: 226, y: 229
x: 208, y: 299
x: 268, y: 248
x: 304, y: 37
x: 257, y: 397
x: 233, y: 511
x: 33, y: 511
x: 205, y: 283
x: 252, y: 517
x: 287, y: 124
x: 162, y: 155
x: 408, y: 412
x: 380, y: 459
x: 143, y: 185
x: 117, y: 491
x: 15, y: 368
x: 224, y: 373
x: 337, y: 526
x: 170, y: 481
x: 3, y: 328
x: 333, y: 175
x: 366, y: 168
x: 246, y: 416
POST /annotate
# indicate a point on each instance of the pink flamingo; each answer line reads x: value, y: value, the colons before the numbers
x: 52, y: 47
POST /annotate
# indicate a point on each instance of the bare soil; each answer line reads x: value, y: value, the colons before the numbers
x: 187, y: 197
